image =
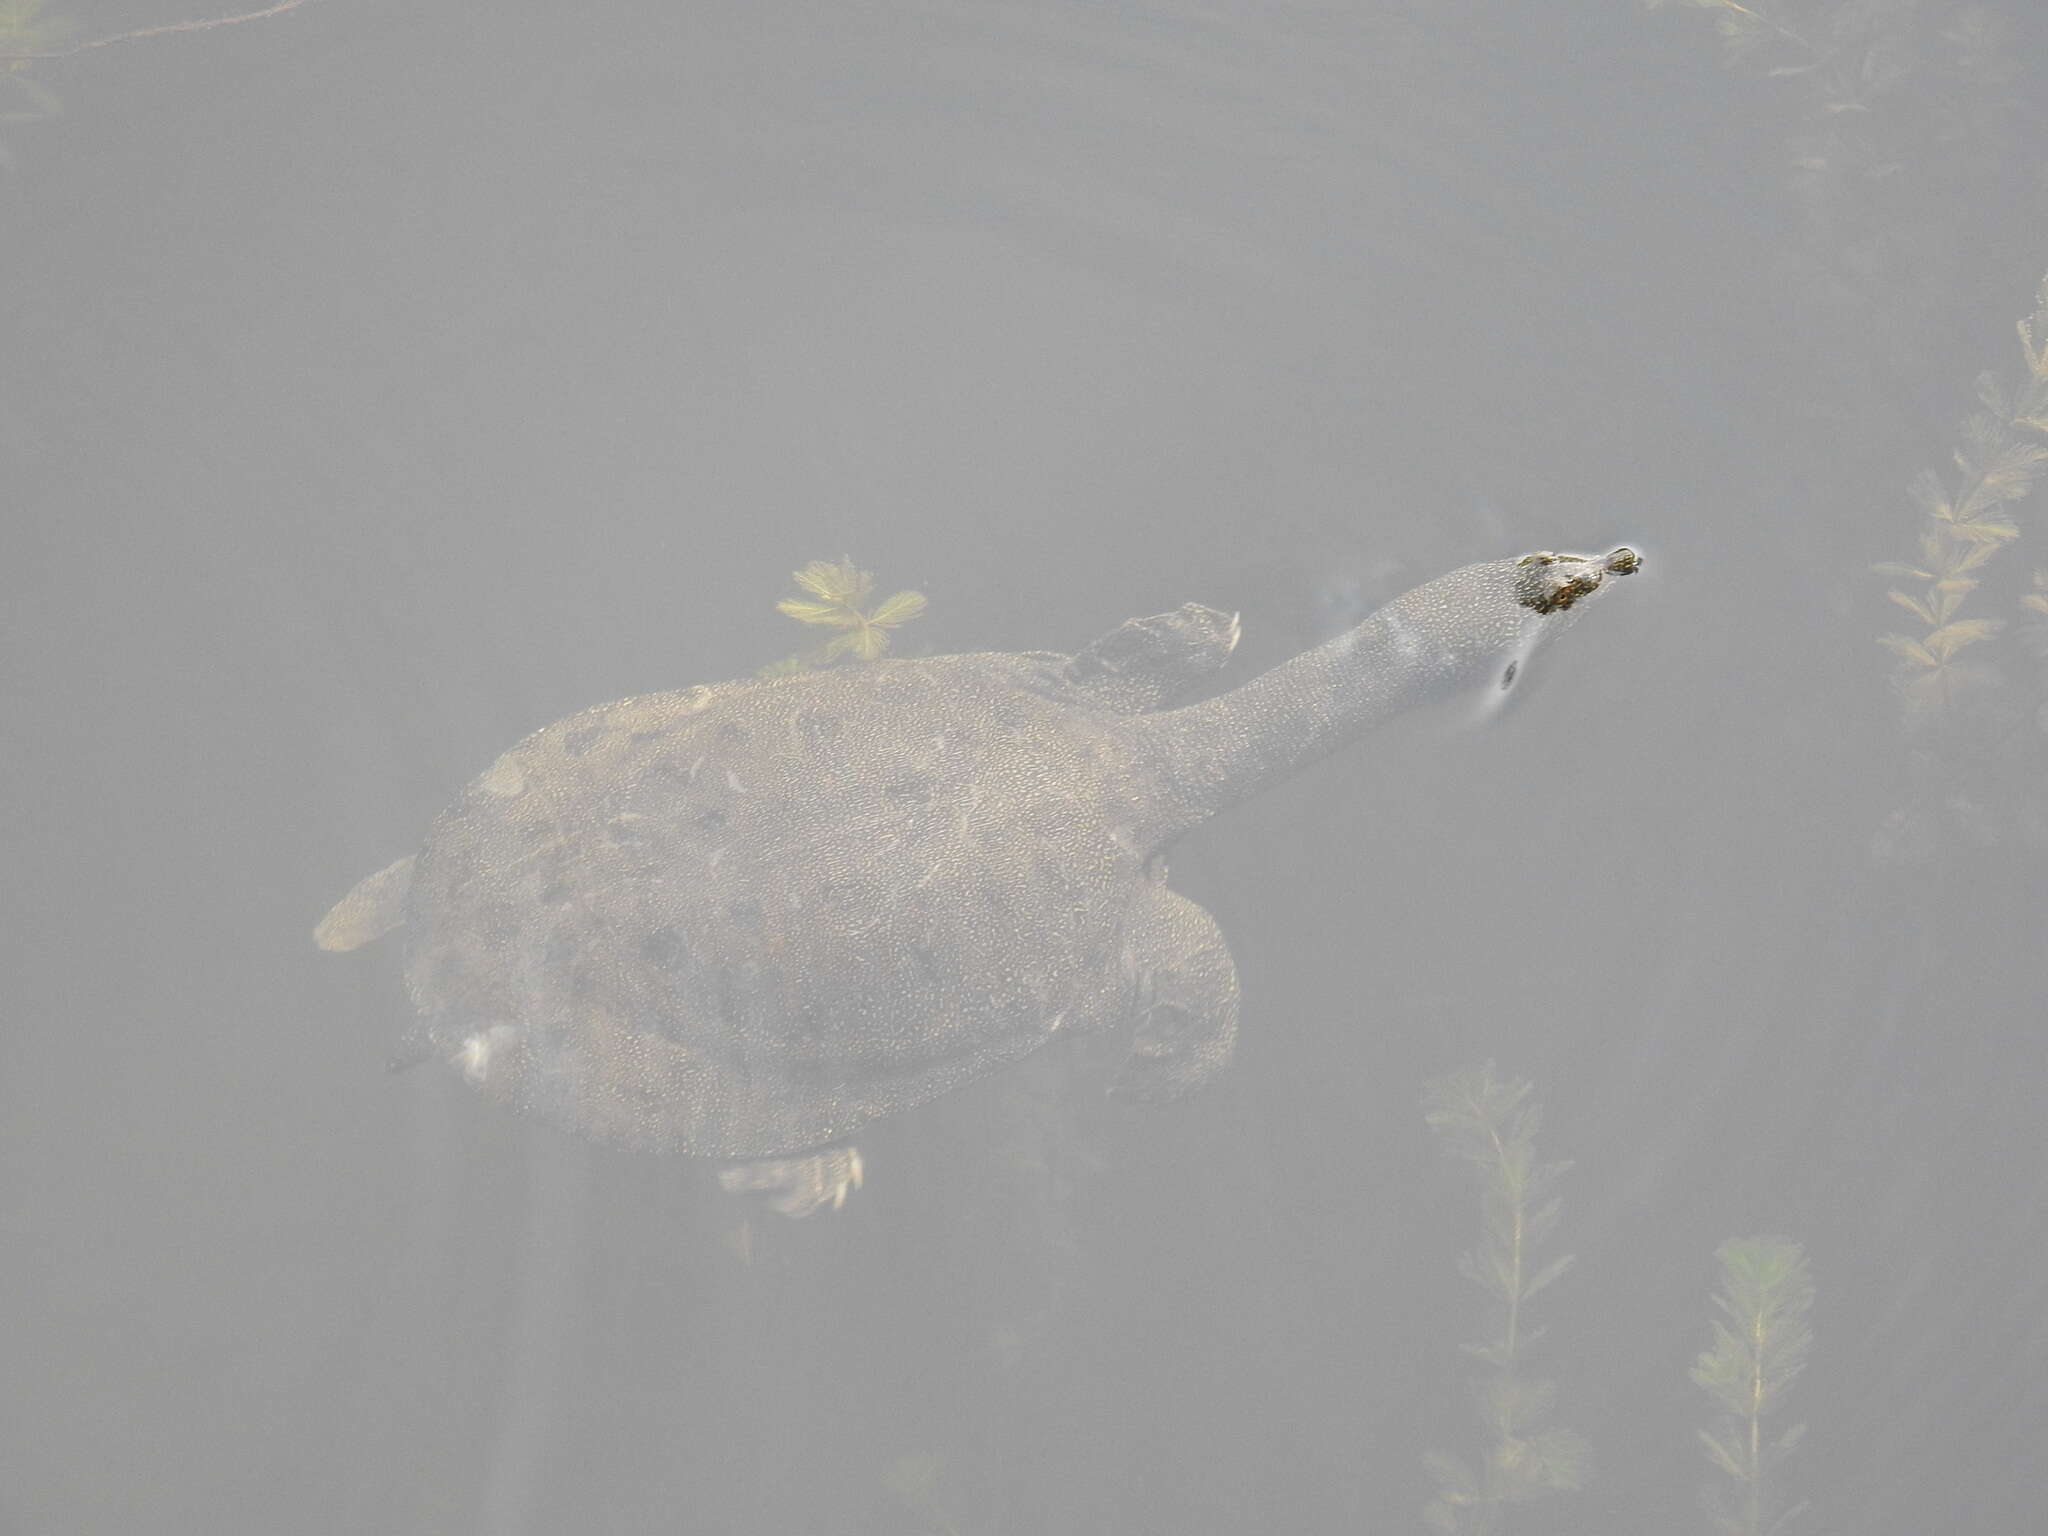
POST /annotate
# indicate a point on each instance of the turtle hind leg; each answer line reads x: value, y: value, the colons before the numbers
x: 372, y: 909
x: 797, y: 1186
x: 1187, y: 1003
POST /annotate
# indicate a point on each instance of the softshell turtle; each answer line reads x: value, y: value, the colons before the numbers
x: 741, y: 921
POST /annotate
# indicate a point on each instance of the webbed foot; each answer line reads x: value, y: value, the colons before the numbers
x: 797, y: 1186
x: 1187, y: 1003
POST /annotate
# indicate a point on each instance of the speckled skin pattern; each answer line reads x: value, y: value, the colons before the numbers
x: 742, y: 921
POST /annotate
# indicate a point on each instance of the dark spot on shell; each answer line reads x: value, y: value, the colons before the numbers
x: 673, y: 1026
x: 1167, y: 1023
x: 665, y: 948
x: 818, y: 727
x: 746, y: 913
x: 915, y: 790
x: 807, y: 1025
x: 726, y: 1000
x: 641, y: 738
x: 582, y: 739
x: 626, y: 829
x: 712, y: 819
x: 732, y: 730
x: 561, y: 950
x: 805, y: 1067
x: 1507, y: 678
x: 557, y: 894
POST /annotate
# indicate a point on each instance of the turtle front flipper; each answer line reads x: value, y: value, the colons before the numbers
x: 797, y: 1186
x: 372, y: 909
x: 1144, y: 663
x: 1186, y: 1002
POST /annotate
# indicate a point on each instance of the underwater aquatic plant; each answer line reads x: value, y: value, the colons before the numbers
x: 1882, y: 84
x: 836, y: 591
x: 1490, y: 1124
x: 1760, y: 1346
x: 1909, y: 151
x: 2005, y: 444
x: 1972, y: 748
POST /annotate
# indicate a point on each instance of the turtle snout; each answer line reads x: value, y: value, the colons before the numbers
x: 1548, y: 583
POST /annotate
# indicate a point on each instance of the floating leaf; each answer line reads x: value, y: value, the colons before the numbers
x: 1933, y: 693
x: 806, y: 611
x: 1720, y: 1454
x: 855, y: 642
x: 1548, y: 1273
x: 1925, y: 488
x: 1983, y: 531
x: 835, y: 581
x: 899, y: 608
x: 1909, y: 648
x: 1914, y: 606
x: 1950, y: 638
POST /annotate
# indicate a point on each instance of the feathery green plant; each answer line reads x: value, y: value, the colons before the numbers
x: 1976, y: 768
x: 1998, y: 462
x: 835, y: 594
x: 1882, y: 84
x: 1760, y: 1346
x: 1909, y: 137
x: 1490, y: 1124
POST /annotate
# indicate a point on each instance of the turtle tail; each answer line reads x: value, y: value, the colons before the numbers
x: 371, y: 910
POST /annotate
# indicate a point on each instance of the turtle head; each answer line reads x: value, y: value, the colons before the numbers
x: 1477, y: 627
x: 1547, y: 583
x: 1467, y: 634
x: 1552, y: 588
